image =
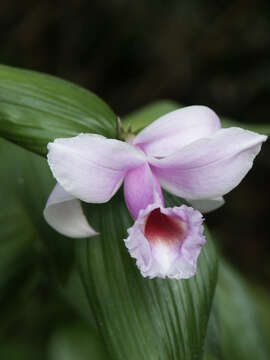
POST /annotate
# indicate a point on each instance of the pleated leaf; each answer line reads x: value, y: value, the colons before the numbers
x: 263, y: 129
x: 36, y: 108
x: 144, y: 116
x: 26, y: 183
x: 147, y: 114
x: 30, y: 251
x: 32, y: 257
x: 76, y: 342
x: 15, y: 350
x: 235, y: 331
x: 140, y: 318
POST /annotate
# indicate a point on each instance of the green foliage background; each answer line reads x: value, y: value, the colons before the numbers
x: 132, y: 54
x: 83, y: 299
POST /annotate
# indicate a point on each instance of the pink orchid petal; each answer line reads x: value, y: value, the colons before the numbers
x: 91, y: 167
x: 177, y: 129
x: 207, y: 205
x: 209, y: 167
x: 64, y: 213
x: 141, y: 188
x: 166, y: 242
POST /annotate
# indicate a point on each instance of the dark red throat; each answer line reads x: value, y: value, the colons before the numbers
x: 163, y: 228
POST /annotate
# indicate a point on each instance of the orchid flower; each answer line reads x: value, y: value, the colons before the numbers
x: 186, y: 152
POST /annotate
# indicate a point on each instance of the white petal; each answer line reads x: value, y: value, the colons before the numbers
x: 177, y: 129
x: 64, y: 213
x: 210, y: 167
x: 91, y: 167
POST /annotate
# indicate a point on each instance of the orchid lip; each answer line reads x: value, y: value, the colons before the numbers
x: 166, y: 242
x: 165, y: 235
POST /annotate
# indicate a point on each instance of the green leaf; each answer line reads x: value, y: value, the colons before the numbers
x: 36, y: 108
x: 29, y: 248
x: 139, y: 119
x: 79, y: 302
x: 259, y: 128
x: 147, y: 114
x: 30, y: 305
x: 26, y: 185
x: 18, y: 351
x: 140, y: 318
x: 261, y: 299
x: 76, y: 342
x: 18, y: 235
x: 234, y: 329
x: 15, y: 241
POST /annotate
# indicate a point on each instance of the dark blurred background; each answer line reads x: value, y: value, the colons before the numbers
x: 132, y: 53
